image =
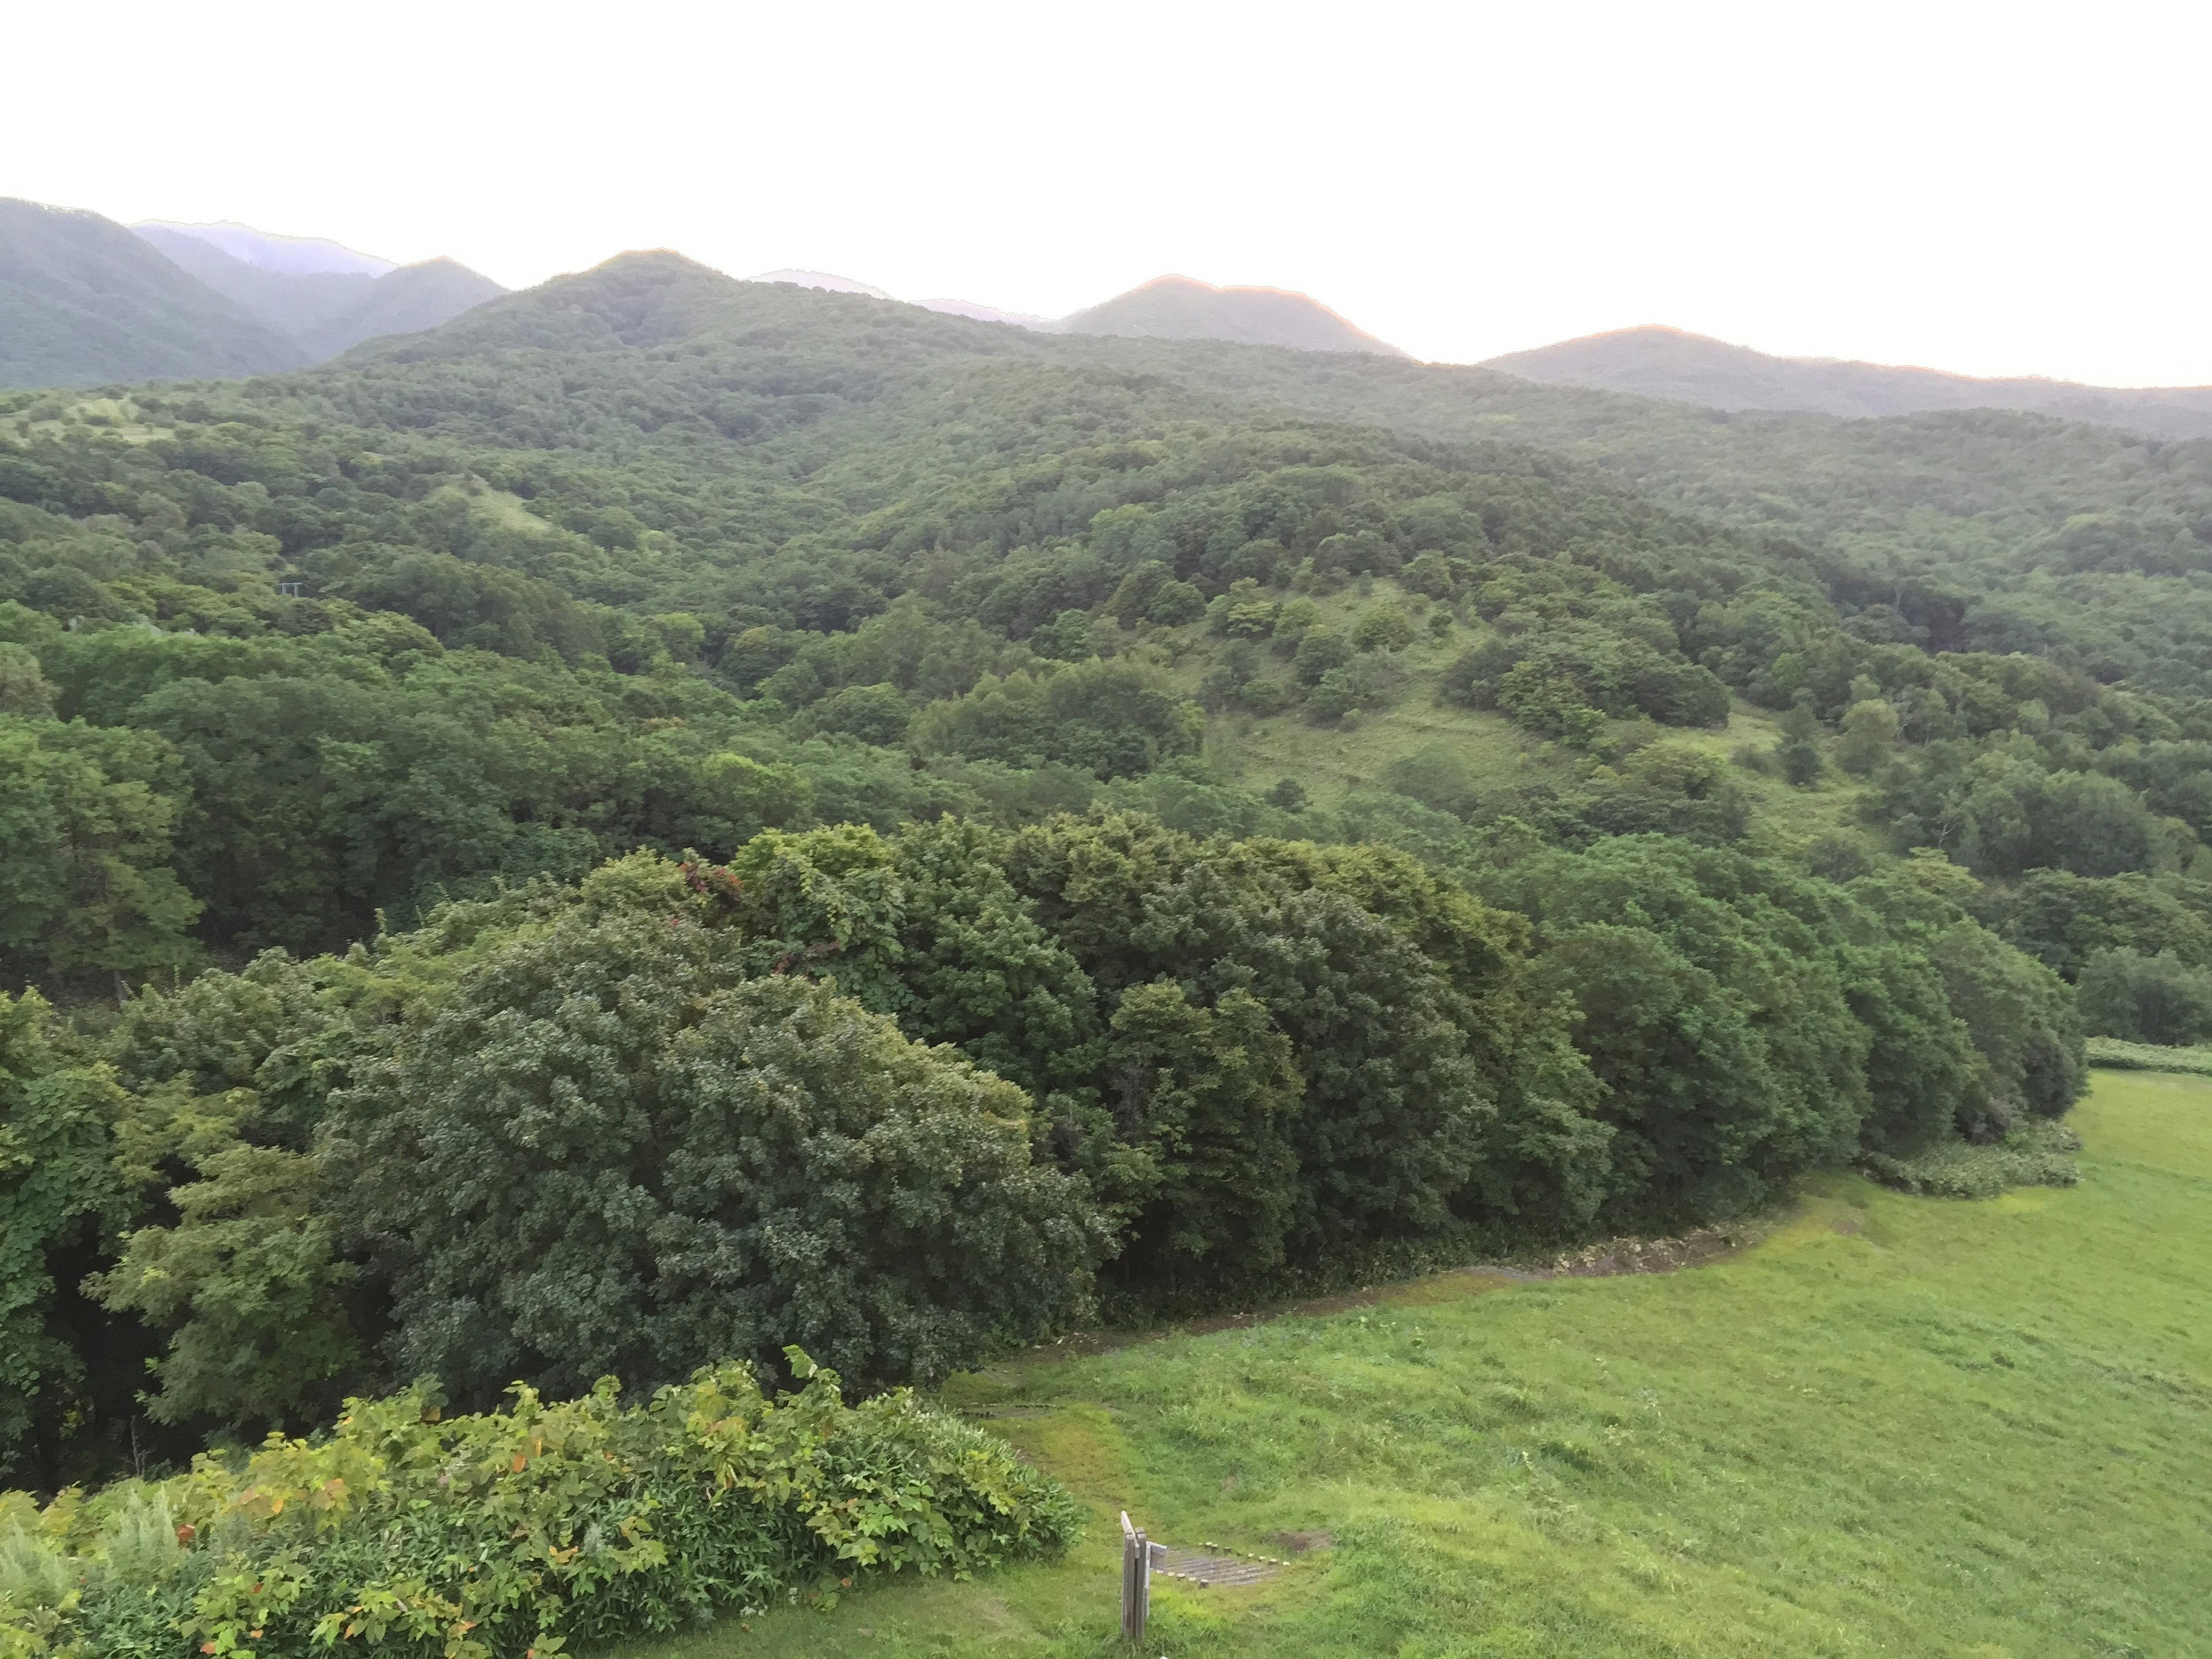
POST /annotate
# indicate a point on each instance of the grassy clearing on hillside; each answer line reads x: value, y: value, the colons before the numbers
x: 1899, y: 1425
x: 1333, y: 760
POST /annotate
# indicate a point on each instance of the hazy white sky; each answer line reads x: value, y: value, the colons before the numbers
x: 1992, y: 188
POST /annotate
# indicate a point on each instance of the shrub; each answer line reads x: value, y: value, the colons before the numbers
x: 1320, y: 649
x: 2144, y: 1057
x: 409, y: 1533
x: 2035, y: 1154
x: 1384, y: 628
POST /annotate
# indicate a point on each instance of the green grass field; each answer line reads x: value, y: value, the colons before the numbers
x: 1897, y: 1425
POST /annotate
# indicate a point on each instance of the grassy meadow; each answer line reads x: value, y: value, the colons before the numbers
x: 1894, y: 1426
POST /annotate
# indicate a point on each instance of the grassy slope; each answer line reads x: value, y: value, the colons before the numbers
x: 1897, y: 1425
x: 1331, y: 760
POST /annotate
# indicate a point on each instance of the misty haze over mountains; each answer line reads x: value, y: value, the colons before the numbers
x: 85, y: 302
x: 1165, y: 308
x: 1683, y: 367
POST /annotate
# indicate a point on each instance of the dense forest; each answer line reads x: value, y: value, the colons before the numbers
x: 671, y: 818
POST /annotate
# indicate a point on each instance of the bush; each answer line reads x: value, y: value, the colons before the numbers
x: 2035, y: 1154
x: 1384, y: 628
x: 2144, y: 1057
x: 409, y: 1533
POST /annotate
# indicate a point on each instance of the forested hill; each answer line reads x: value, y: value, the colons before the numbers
x: 1329, y: 807
x: 321, y: 298
x: 1978, y: 530
x: 85, y: 302
x: 1181, y: 308
x: 82, y: 301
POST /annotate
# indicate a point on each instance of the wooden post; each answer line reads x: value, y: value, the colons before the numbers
x: 1136, y: 1581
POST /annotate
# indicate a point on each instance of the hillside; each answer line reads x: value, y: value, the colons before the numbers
x: 1179, y: 308
x: 1667, y: 362
x: 84, y: 302
x: 1642, y: 859
x: 293, y: 303
x: 324, y: 301
x: 405, y: 301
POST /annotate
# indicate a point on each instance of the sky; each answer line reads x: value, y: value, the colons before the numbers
x: 2014, y: 189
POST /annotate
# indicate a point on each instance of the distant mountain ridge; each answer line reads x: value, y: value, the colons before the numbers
x: 1165, y: 308
x: 823, y: 280
x: 84, y: 302
x: 291, y: 256
x: 1655, y: 362
x: 1183, y: 309
x: 323, y: 297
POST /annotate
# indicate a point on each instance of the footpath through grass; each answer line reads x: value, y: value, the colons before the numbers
x: 1901, y: 1426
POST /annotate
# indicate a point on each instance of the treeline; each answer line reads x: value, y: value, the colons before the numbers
x: 897, y: 1098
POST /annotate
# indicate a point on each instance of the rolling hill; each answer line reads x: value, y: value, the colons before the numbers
x: 84, y: 302
x: 1181, y: 308
x: 321, y: 296
x: 1668, y: 362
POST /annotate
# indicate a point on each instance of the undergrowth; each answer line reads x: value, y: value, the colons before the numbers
x: 2123, y: 1056
x: 413, y: 1534
x: 2037, y: 1154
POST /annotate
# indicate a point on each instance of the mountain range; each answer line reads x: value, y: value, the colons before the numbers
x: 86, y: 302
x: 1684, y: 368
x: 1165, y: 308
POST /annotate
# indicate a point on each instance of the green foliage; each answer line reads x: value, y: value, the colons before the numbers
x: 2061, y: 919
x: 1208, y: 1097
x: 924, y: 928
x: 251, y: 1280
x: 1798, y: 754
x: 406, y: 1531
x: 1870, y: 737
x: 1438, y: 776
x: 2143, y: 1057
x: 2137, y: 997
x: 1712, y: 991
x: 2035, y: 1153
x: 87, y: 818
x: 2023, y: 1023
x: 1113, y: 719
x: 607, y: 1151
x: 59, y: 1195
x: 1748, y: 1023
